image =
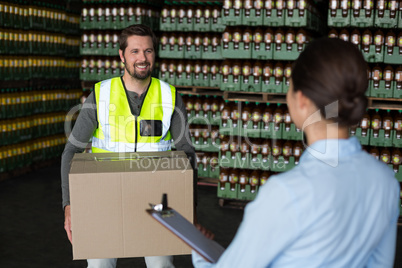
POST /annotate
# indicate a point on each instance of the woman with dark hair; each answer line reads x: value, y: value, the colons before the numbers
x: 339, y: 206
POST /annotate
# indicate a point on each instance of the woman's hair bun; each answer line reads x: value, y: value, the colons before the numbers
x: 332, y: 70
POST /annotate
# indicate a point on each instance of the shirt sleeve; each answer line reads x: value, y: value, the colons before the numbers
x: 180, y: 131
x: 77, y: 141
x: 268, y: 227
x: 384, y: 254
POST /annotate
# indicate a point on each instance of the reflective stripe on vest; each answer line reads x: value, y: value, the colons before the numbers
x: 118, y: 147
x: 103, y: 139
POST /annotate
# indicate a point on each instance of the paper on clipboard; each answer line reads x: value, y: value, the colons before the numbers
x: 187, y: 232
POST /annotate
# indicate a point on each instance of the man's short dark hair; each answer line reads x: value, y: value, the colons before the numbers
x: 136, y: 29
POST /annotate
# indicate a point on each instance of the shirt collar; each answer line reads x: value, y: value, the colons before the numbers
x: 329, y: 151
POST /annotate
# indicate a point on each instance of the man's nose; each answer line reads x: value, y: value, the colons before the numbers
x: 142, y: 56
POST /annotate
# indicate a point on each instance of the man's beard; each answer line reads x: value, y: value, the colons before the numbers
x: 135, y: 74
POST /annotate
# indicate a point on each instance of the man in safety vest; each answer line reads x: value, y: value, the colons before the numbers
x: 132, y: 113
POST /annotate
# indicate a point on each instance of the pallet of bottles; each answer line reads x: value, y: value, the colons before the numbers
x: 24, y: 42
x: 241, y: 184
x: 21, y: 155
x: 106, y: 15
x: 263, y: 43
x: 385, y: 14
x: 380, y: 128
x: 190, y: 45
x: 291, y: 13
x: 39, y: 15
x: 192, y: 16
x: 20, y: 67
x: 377, y: 46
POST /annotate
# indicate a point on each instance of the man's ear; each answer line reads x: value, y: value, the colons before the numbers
x: 121, y: 55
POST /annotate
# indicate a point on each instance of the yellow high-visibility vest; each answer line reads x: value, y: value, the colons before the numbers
x: 120, y: 131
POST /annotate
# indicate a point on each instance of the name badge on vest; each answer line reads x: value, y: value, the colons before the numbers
x: 150, y: 128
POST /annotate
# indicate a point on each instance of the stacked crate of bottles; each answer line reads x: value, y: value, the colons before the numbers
x: 39, y: 47
x: 190, y: 43
x: 204, y: 113
x: 257, y: 138
x: 101, y: 23
x: 190, y: 52
x: 376, y: 28
x: 259, y: 44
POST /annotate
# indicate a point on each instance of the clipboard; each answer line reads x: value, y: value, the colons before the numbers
x: 186, y: 231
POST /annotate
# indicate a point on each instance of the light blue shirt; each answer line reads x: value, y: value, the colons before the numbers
x: 338, y: 208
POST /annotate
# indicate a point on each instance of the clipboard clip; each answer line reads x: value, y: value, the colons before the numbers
x: 163, y: 207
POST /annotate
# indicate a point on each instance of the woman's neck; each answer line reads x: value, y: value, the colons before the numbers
x: 323, y: 130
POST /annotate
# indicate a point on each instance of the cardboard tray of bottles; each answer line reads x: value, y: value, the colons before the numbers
x: 202, y: 26
x: 184, y: 79
x: 104, y: 23
x: 192, y: 52
x: 273, y: 86
x: 201, y: 80
x: 364, y: 140
x: 238, y: 53
x: 206, y: 145
x: 395, y: 57
x: 231, y: 19
x: 238, y: 129
x: 381, y: 91
x: 103, y: 49
x: 398, y: 175
x: 230, y: 85
x: 283, y: 53
x: 339, y: 20
x: 372, y: 56
x: 274, y: 19
x: 252, y: 19
x: 380, y: 140
x: 362, y: 21
x: 292, y: 133
x: 397, y: 92
x: 308, y: 20
x: 236, y: 160
x: 400, y: 19
x: 208, y: 172
x: 262, y: 53
x: 251, y: 86
x: 386, y: 21
x: 396, y: 140
x: 171, y: 52
x: 96, y: 74
x: 246, y: 194
x: 175, y: 26
x: 201, y: 119
x: 169, y: 78
x: 209, y: 54
x: 227, y: 192
x: 263, y: 131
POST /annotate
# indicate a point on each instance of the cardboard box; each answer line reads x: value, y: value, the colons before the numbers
x: 109, y: 193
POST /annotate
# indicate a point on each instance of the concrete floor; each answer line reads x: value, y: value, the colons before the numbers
x: 31, y: 224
